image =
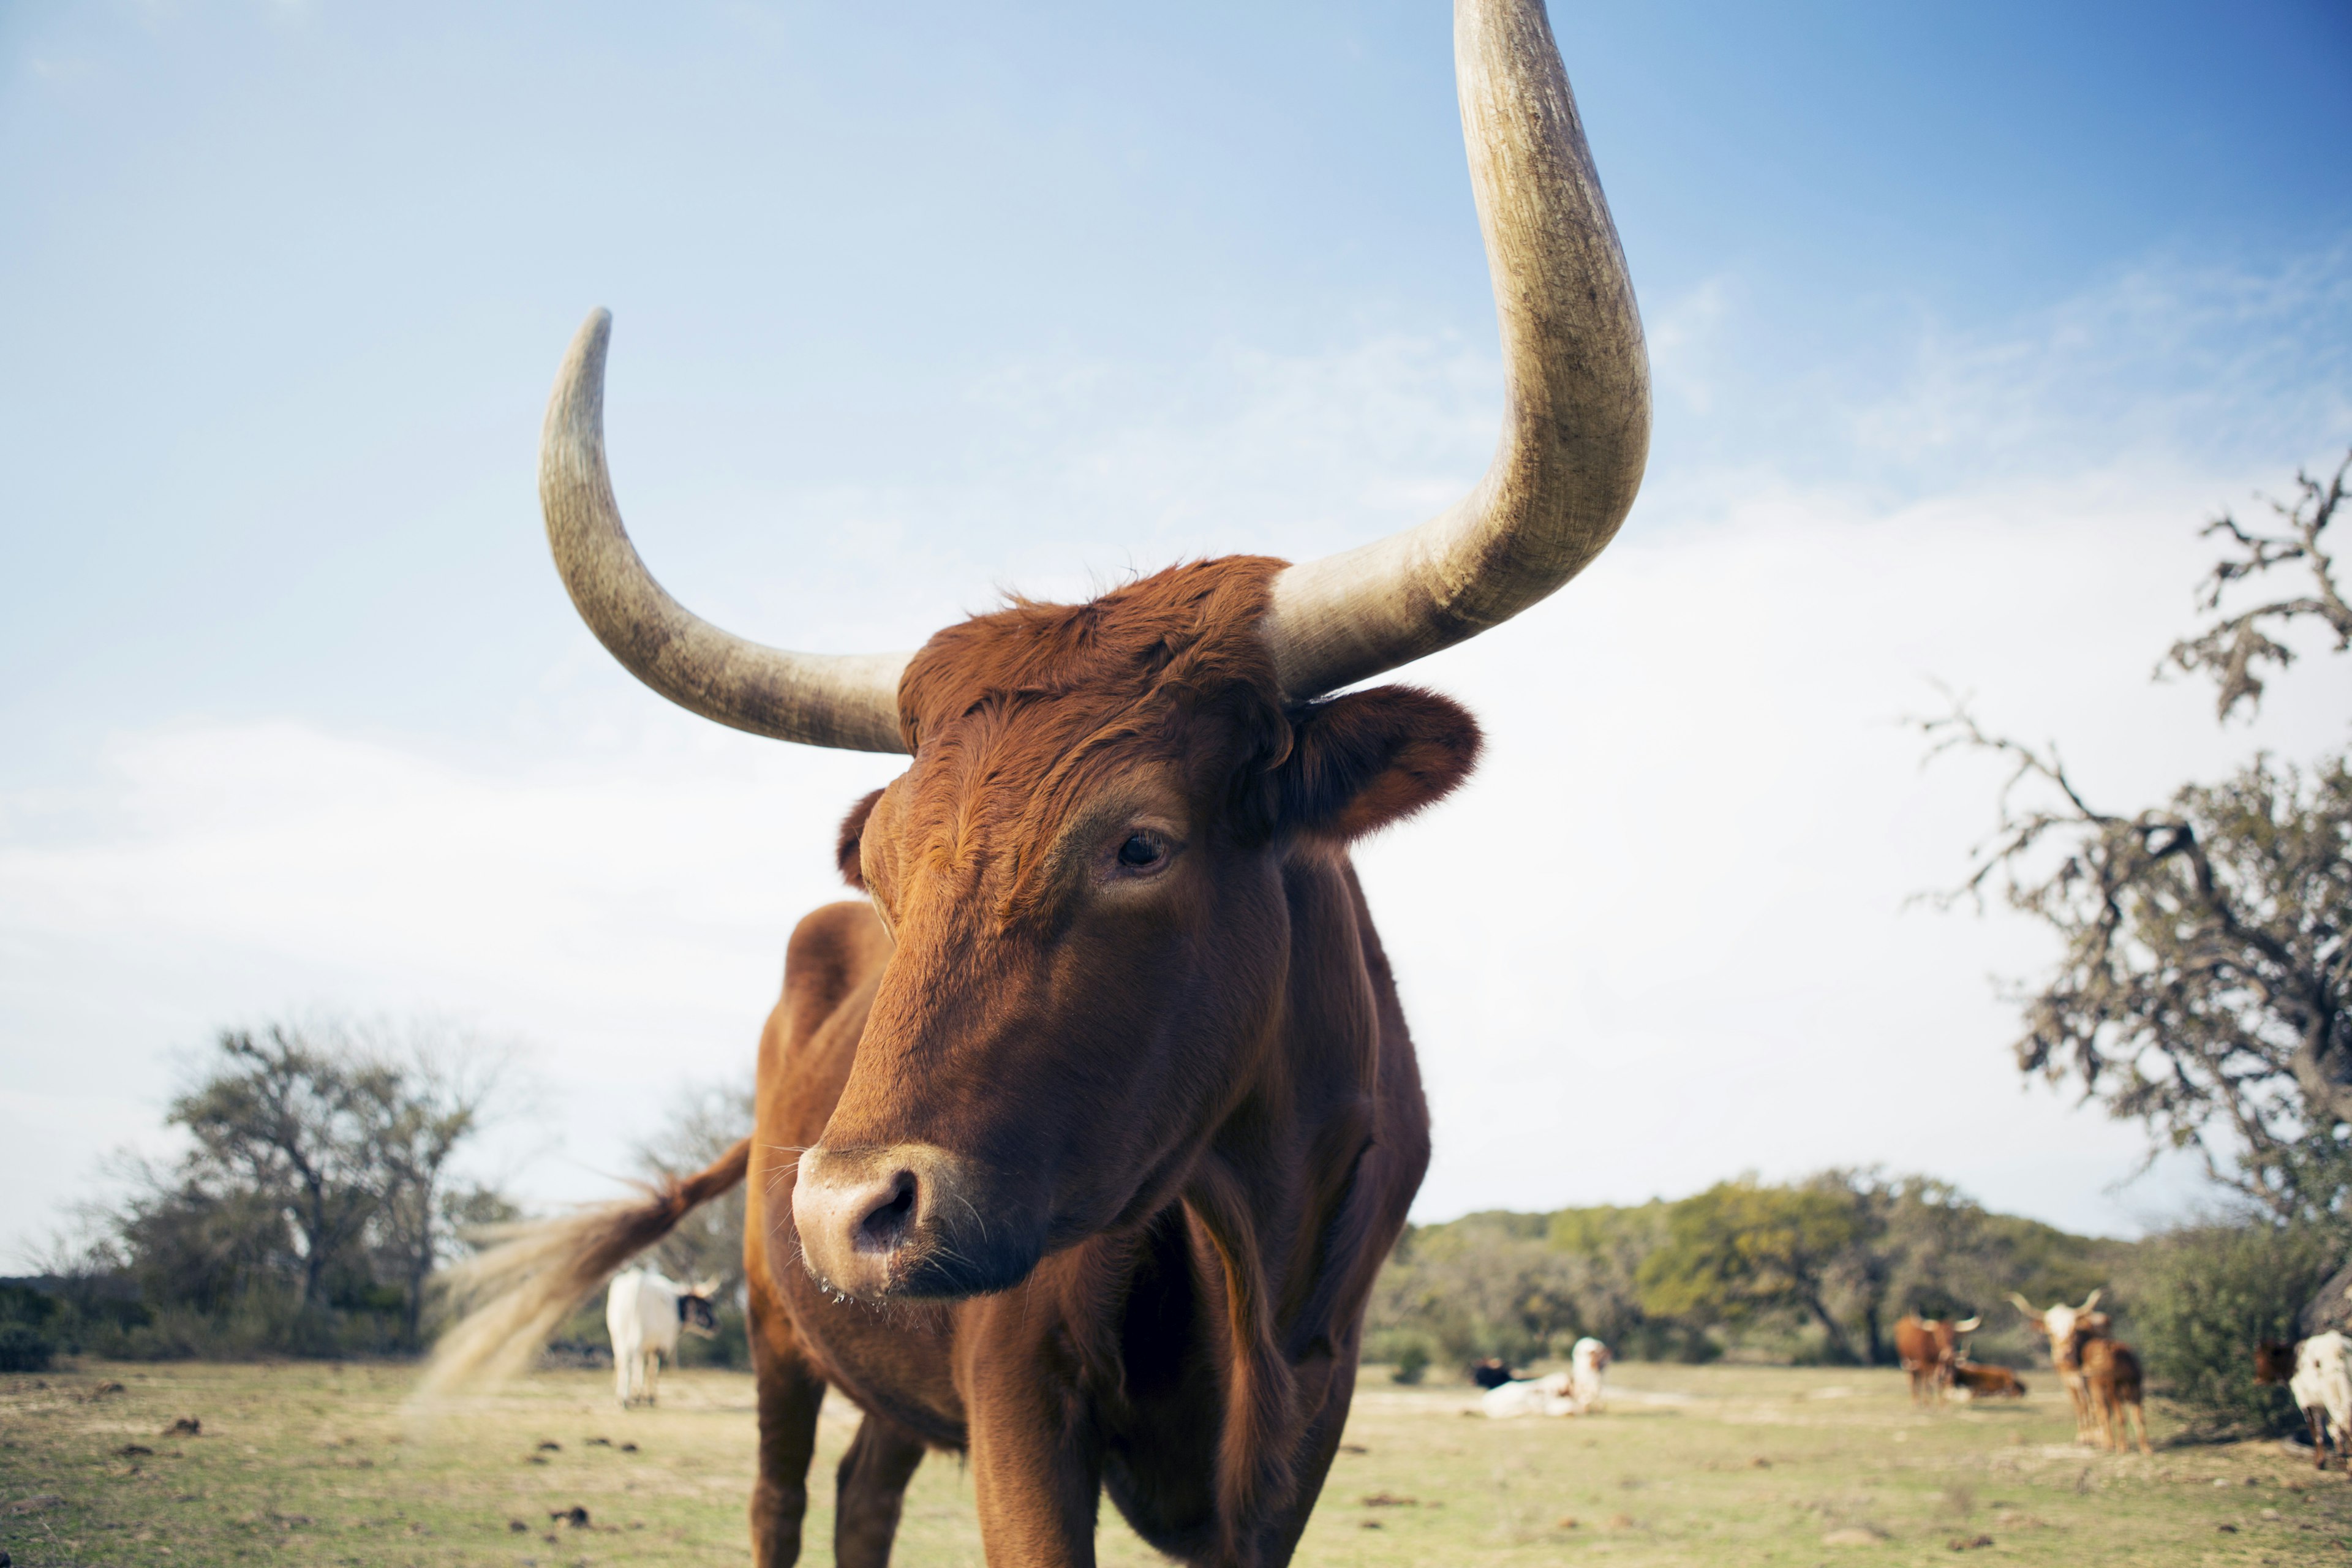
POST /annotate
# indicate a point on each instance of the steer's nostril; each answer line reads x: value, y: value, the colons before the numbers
x: 886, y: 1226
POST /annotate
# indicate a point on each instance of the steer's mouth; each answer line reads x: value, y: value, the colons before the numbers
x: 906, y: 1221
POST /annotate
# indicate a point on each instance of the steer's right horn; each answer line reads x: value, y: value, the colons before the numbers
x: 1969, y: 1326
x: 1576, y: 429
x: 848, y: 701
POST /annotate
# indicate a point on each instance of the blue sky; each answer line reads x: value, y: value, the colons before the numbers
x: 1963, y: 319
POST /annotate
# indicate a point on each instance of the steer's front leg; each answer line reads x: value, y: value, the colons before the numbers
x: 1036, y: 1476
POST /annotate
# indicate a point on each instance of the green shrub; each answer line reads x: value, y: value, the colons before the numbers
x: 24, y: 1348
x: 1411, y: 1363
x: 2199, y: 1299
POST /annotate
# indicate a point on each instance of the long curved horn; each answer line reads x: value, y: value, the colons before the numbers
x: 1576, y: 433
x: 845, y: 701
x: 1969, y: 1326
x: 2092, y: 1299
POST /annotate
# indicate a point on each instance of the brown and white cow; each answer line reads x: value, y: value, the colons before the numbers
x: 1928, y: 1349
x: 1971, y: 1381
x: 2058, y: 1325
x: 1080, y: 1140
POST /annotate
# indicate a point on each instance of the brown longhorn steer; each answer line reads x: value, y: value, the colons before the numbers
x: 2058, y: 1325
x: 1079, y: 1146
x: 2111, y: 1379
x: 1928, y: 1348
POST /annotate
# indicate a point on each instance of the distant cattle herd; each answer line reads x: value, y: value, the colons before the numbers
x: 2102, y: 1375
x: 2103, y: 1379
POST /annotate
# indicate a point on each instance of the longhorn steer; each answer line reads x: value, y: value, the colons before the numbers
x: 2058, y: 1325
x: 1928, y: 1348
x: 1079, y: 1146
x: 2111, y: 1384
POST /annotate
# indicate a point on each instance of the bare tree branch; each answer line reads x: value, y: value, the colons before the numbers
x: 2233, y: 650
x: 2202, y: 984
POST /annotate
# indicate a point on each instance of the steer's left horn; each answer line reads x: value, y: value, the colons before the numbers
x: 1576, y: 429
x: 847, y: 701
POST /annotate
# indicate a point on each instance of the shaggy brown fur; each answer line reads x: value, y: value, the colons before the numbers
x: 1118, y: 973
x: 1928, y: 1349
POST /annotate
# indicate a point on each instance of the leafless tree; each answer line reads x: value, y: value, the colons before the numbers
x: 2233, y: 650
x: 2205, y: 981
x: 2204, y: 986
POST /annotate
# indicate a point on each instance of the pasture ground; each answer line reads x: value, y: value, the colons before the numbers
x: 308, y: 1463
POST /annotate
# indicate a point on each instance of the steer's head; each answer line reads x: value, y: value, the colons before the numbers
x: 1084, y: 867
x: 1083, y: 870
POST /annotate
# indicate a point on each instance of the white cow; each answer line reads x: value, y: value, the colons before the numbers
x: 1530, y: 1397
x: 2321, y: 1389
x: 1571, y: 1393
x: 643, y: 1312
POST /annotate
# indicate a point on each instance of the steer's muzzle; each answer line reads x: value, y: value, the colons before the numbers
x: 905, y: 1220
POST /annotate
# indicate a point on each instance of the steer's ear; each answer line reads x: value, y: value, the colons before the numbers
x: 853, y: 836
x: 1360, y: 761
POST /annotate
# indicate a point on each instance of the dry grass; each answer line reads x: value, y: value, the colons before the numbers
x: 311, y: 1464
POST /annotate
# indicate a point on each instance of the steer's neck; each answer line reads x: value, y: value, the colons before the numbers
x: 1297, y: 1208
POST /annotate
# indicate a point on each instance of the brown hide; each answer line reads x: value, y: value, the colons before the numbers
x: 1926, y: 1348
x: 2274, y: 1361
x: 2111, y: 1378
x: 1078, y: 1148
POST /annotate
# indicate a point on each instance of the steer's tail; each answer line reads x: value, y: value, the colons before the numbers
x: 514, y: 1295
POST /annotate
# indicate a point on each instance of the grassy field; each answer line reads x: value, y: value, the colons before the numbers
x: 308, y: 1462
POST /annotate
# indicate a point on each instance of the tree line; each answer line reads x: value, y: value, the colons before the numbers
x: 318, y: 1190
x: 328, y: 1175
x: 1812, y: 1271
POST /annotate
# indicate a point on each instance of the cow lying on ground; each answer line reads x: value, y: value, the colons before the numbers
x: 1576, y: 1392
x: 1969, y: 1380
x: 2317, y: 1373
x: 644, y: 1313
x: 1551, y: 1395
x: 1928, y: 1348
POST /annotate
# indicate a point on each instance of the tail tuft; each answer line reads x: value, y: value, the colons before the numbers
x: 512, y: 1296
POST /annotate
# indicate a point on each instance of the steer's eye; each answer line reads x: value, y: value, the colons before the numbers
x: 1141, y: 852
